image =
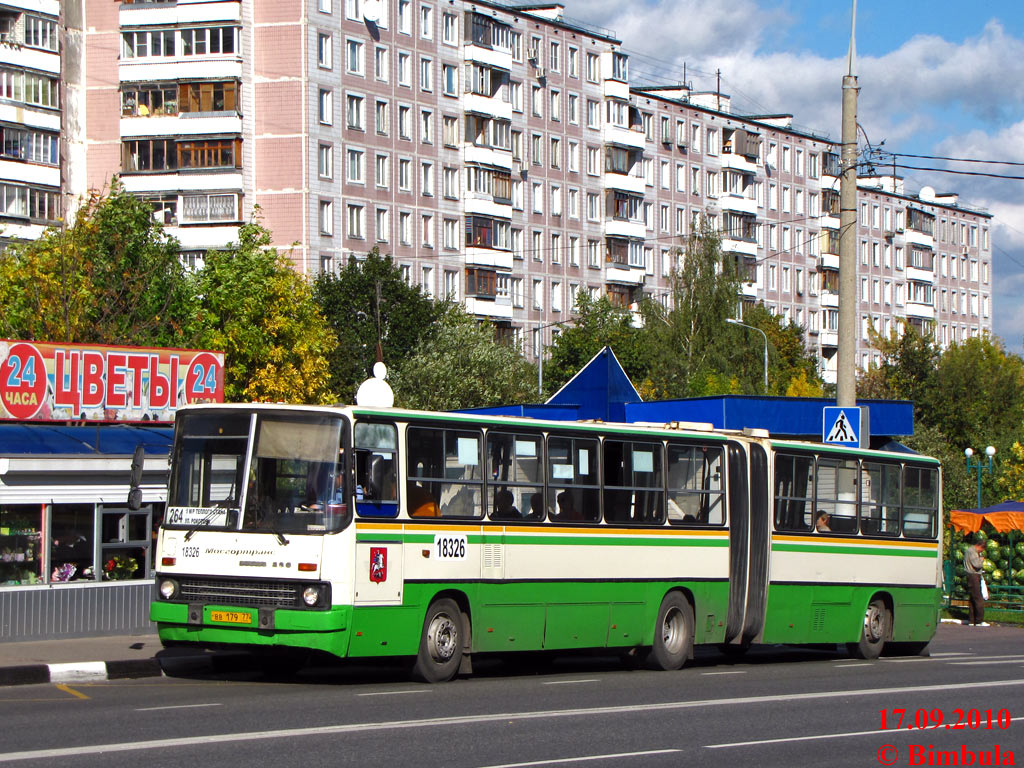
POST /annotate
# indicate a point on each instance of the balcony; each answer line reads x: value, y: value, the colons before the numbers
x: 829, y: 338
x: 737, y: 203
x: 913, y: 237
x: 30, y: 173
x: 492, y: 57
x: 187, y: 124
x: 828, y: 299
x: 920, y: 275
x: 624, y: 182
x: 173, y: 14
x: 623, y: 273
x: 732, y: 245
x: 488, y: 257
x: 487, y: 105
x: 922, y: 311
x: 500, y: 308
x: 748, y: 290
x: 829, y: 261
x: 502, y: 158
x: 625, y: 228
x: 739, y: 162
x: 623, y: 137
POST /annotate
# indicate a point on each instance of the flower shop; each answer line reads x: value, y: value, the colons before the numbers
x: 75, y: 556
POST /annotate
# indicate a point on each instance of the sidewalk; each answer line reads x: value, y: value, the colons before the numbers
x: 90, y: 658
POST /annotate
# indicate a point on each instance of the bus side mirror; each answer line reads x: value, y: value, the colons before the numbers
x: 134, y: 492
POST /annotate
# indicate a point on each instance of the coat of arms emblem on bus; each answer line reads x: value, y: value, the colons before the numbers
x: 378, y: 564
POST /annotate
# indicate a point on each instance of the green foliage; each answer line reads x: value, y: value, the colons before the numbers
x: 262, y: 314
x: 111, y: 277
x: 597, y: 324
x: 366, y: 296
x: 459, y: 365
x: 689, y: 347
x: 976, y: 394
x: 908, y: 360
x: 790, y: 364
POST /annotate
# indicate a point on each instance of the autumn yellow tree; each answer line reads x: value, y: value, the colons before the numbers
x: 260, y: 312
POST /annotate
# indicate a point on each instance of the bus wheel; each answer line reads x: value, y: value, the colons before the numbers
x: 441, y: 643
x: 673, y: 633
x: 872, y: 637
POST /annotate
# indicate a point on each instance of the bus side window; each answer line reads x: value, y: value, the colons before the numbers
x: 376, y: 452
x: 794, y: 492
x: 920, y: 501
x: 445, y: 472
x: 695, y: 495
x: 575, y: 492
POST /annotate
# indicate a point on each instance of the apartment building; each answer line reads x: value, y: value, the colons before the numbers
x: 30, y: 118
x: 497, y: 151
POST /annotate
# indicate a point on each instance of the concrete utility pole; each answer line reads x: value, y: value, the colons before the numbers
x: 846, y: 382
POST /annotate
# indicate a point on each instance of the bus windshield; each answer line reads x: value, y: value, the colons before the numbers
x: 259, y: 471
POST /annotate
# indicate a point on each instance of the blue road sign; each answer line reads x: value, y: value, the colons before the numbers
x: 840, y: 425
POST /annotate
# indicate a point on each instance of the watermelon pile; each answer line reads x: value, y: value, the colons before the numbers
x: 1003, y: 564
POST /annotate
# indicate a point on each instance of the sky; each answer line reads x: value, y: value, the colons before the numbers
x: 937, y: 77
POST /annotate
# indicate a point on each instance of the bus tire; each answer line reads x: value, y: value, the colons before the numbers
x: 874, y: 631
x: 440, y: 643
x: 673, y: 633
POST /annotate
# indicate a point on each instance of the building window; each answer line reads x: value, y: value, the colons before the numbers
x: 325, y: 161
x: 354, y: 57
x: 354, y: 217
x: 324, y: 50
x: 326, y: 106
x: 326, y: 217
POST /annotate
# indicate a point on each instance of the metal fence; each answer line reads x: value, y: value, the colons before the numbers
x: 75, y: 610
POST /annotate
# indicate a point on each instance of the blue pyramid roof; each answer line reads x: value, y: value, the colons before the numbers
x: 600, y: 390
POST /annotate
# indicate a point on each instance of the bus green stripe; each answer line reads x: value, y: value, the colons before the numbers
x: 838, y: 550
x: 540, y: 539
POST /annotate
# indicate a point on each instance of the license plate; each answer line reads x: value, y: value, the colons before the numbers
x: 231, y: 617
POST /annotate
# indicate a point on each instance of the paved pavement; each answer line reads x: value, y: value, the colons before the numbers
x: 91, y: 658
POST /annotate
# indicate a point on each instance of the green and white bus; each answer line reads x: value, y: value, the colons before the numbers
x: 371, y: 532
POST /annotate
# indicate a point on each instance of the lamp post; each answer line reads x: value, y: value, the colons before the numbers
x: 978, y: 465
x: 539, y: 349
x: 732, y: 321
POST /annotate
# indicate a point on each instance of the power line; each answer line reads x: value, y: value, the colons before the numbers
x: 954, y: 159
x: 955, y: 172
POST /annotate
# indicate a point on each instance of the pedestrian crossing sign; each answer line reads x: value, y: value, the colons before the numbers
x: 841, y: 425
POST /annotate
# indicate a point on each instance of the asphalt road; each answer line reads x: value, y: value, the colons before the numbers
x: 775, y: 707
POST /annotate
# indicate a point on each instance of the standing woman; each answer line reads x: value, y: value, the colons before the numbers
x: 973, y: 564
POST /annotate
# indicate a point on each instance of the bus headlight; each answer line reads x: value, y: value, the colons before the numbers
x: 311, y: 595
x: 168, y: 589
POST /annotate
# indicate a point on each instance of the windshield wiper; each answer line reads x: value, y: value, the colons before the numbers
x: 202, y: 523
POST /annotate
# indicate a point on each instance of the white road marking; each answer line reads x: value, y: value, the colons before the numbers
x: 572, y: 682
x: 760, y: 742
x: 850, y: 666
x: 951, y: 653
x: 585, y: 758
x: 502, y: 717
x: 392, y: 693
x: 981, y: 663
x: 727, y: 672
x: 177, y: 706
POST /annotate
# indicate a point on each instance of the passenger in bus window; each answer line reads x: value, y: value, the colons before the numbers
x: 566, y: 506
x: 504, y: 506
x: 823, y: 522
x: 537, y: 506
x: 422, y: 503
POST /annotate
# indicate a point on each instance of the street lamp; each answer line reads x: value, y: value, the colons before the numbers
x: 539, y: 349
x: 978, y: 465
x: 731, y: 321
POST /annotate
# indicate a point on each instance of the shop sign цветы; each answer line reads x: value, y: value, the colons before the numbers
x: 63, y: 382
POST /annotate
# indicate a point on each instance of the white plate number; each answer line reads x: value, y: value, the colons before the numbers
x: 450, y: 546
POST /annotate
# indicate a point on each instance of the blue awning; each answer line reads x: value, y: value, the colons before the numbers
x: 101, y: 439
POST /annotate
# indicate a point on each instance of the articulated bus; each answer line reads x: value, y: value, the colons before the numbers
x: 372, y: 532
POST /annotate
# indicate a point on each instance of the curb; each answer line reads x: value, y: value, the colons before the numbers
x: 87, y: 671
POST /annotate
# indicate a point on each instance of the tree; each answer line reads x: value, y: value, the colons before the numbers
x: 690, y: 348
x: 790, y: 365
x: 459, y: 365
x: 262, y: 314
x: 908, y: 360
x: 367, y: 302
x: 597, y: 324
x: 975, y: 394
x: 113, y: 276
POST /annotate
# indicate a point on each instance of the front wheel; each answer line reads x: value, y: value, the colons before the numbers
x: 877, y: 621
x: 440, y: 644
x: 673, y: 633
